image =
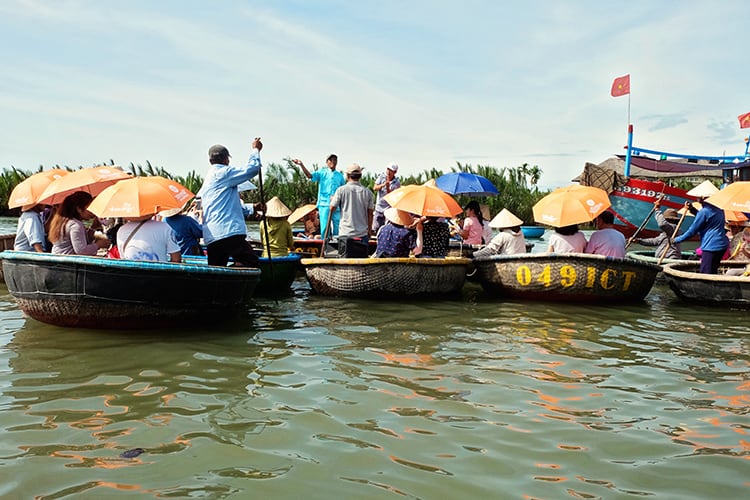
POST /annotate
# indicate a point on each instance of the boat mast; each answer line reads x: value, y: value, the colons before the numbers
x: 626, y: 171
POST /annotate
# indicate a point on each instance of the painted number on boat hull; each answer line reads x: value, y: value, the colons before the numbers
x: 567, y: 276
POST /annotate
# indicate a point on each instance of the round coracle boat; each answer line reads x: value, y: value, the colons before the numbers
x: 384, y: 278
x: 566, y: 277
x: 729, y: 288
x: 651, y: 257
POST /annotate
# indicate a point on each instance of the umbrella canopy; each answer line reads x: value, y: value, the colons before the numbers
x: 571, y: 205
x: 734, y: 197
x: 466, y: 183
x: 28, y: 191
x: 92, y: 180
x: 423, y: 200
x: 301, y: 212
x: 139, y: 196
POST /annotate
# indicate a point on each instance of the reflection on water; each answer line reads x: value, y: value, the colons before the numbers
x: 312, y: 396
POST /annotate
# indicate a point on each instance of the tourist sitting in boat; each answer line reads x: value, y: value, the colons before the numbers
x: 567, y: 239
x: 67, y: 232
x: 312, y: 225
x: 709, y: 224
x: 395, y: 238
x: 276, y: 225
x: 606, y: 240
x: 144, y: 238
x: 665, y: 245
x: 509, y: 240
x: 30, y: 235
x: 472, y: 228
x: 188, y: 232
x: 740, y: 246
x: 433, y: 238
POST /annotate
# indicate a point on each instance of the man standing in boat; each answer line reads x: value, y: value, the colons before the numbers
x: 666, y: 248
x: 224, y: 229
x: 384, y: 184
x: 709, y: 223
x: 356, y: 204
x: 329, y: 180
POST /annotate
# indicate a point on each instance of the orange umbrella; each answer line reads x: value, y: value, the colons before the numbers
x: 571, y: 205
x: 734, y: 197
x: 28, y: 191
x: 423, y: 200
x: 140, y: 196
x: 92, y: 180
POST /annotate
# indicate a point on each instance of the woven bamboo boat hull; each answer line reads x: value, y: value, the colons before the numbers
x: 95, y: 292
x: 386, y: 278
x: 650, y: 257
x: 566, y: 277
x: 709, y: 289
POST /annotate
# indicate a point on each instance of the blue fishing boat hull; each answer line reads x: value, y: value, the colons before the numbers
x: 633, y: 203
x: 95, y: 292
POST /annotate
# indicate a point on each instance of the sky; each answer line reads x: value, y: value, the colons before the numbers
x: 424, y: 84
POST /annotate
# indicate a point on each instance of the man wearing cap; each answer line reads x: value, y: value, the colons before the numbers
x: 224, y: 229
x: 329, y: 180
x: 509, y: 240
x: 384, y: 184
x: 665, y: 246
x: 356, y: 204
x: 30, y: 231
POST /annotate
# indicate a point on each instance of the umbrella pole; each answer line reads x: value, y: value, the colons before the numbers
x: 671, y: 238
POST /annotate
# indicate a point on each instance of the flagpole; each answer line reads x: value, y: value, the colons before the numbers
x: 626, y: 170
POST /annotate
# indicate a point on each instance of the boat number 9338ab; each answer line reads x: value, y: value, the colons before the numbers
x: 568, y: 276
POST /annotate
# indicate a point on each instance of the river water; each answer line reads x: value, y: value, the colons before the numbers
x: 315, y: 397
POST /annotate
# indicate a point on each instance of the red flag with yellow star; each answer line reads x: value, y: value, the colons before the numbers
x: 621, y: 86
x: 744, y: 120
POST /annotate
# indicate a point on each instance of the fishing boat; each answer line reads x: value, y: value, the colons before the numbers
x: 566, y: 277
x: 96, y: 292
x: 386, y: 278
x: 633, y: 198
x: 709, y: 289
x: 276, y: 274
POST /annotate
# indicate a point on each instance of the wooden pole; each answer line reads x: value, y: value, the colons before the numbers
x: 671, y: 238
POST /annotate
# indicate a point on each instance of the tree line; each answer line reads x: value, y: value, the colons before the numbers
x: 517, y: 185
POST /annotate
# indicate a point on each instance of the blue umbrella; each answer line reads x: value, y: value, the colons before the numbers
x: 466, y: 183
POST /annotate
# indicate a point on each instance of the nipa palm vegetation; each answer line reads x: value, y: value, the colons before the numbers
x: 517, y: 186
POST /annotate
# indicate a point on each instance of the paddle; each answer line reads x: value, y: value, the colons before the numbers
x: 645, y: 221
x: 671, y: 238
x: 263, y: 218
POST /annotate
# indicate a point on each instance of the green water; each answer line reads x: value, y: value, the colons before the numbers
x: 311, y: 397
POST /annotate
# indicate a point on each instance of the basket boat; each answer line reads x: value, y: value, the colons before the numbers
x: 566, y: 277
x: 532, y: 231
x: 709, y: 289
x: 650, y: 257
x: 96, y: 292
x: 386, y: 277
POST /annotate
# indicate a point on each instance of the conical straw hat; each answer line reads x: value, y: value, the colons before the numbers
x: 398, y: 216
x: 276, y: 208
x: 505, y: 219
x: 301, y: 212
x: 703, y: 190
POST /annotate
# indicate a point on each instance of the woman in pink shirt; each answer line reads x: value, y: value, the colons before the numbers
x: 473, y: 224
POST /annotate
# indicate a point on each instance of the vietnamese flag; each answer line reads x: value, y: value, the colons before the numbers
x: 621, y: 86
x: 744, y: 120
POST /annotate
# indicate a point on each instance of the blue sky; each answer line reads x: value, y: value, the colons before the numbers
x: 421, y: 83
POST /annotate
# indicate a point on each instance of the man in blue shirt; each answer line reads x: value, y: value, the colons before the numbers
x: 709, y: 223
x: 329, y: 180
x: 224, y: 229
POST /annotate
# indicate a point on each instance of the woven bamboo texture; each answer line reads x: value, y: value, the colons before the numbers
x: 386, y: 278
x: 709, y: 289
x: 566, y: 277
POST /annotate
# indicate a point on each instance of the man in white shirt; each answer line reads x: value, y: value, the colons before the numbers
x: 606, y: 240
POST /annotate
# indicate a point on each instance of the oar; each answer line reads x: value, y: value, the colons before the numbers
x: 643, y: 224
x: 671, y: 238
x: 264, y: 220
x: 325, y: 235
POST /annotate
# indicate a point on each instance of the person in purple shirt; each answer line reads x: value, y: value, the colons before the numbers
x: 395, y: 238
x: 709, y: 224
